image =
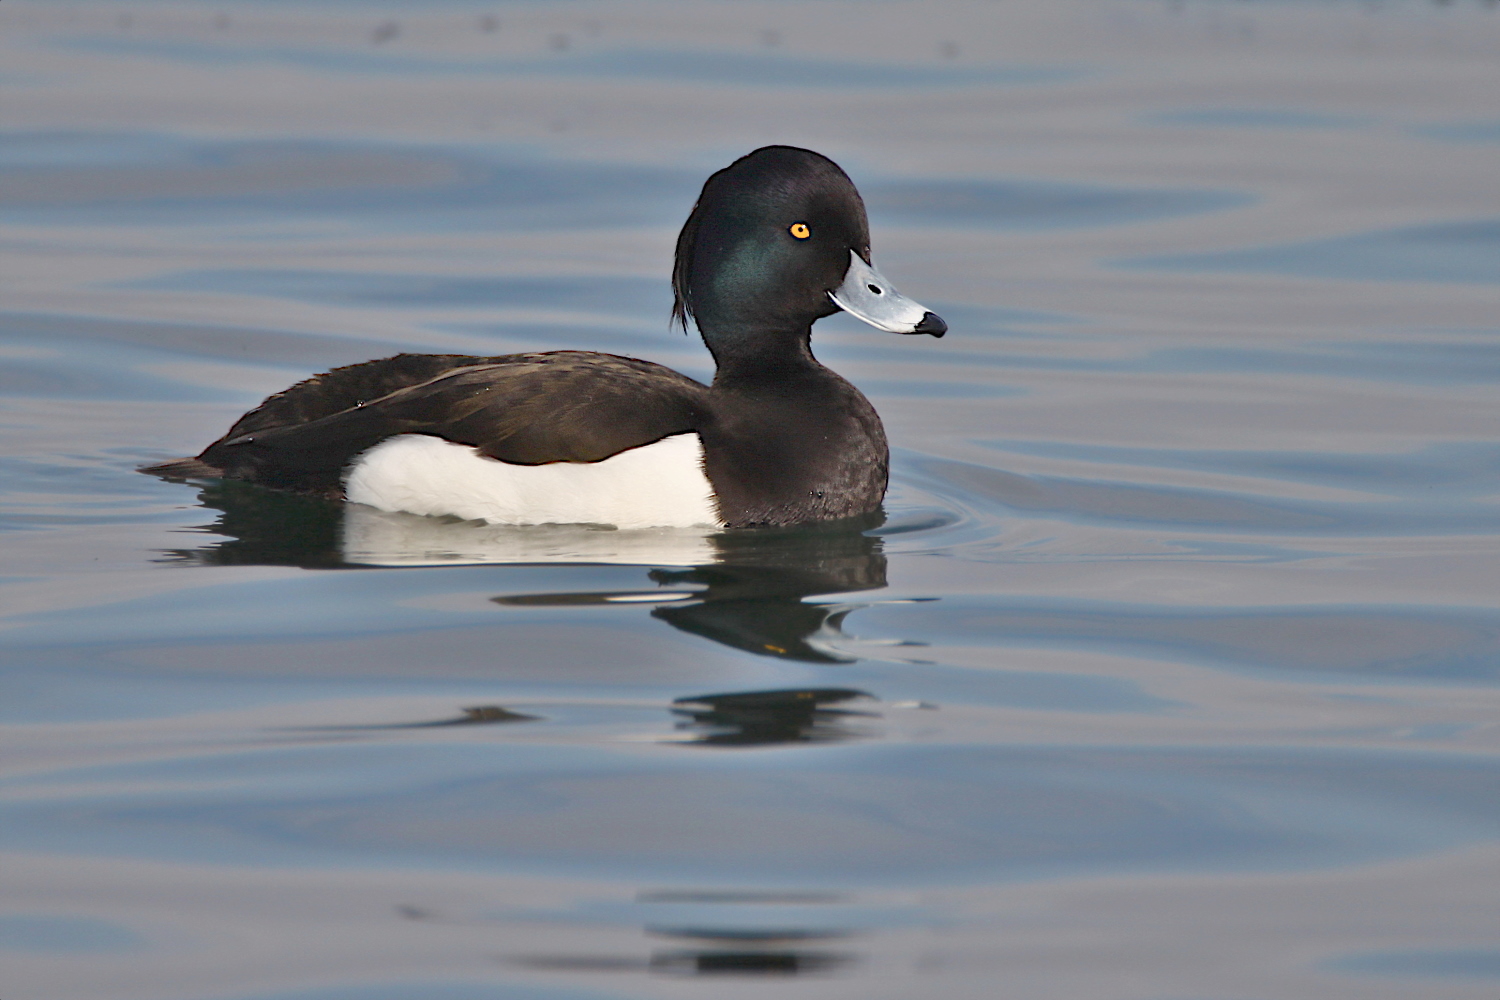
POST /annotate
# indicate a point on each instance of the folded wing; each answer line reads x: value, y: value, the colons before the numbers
x: 528, y: 409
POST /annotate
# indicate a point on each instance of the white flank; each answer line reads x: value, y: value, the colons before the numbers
x: 657, y: 485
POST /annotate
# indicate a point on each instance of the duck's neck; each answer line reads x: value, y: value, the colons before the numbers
x: 789, y: 440
x: 745, y: 358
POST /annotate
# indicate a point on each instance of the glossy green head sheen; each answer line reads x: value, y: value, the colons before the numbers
x: 767, y: 243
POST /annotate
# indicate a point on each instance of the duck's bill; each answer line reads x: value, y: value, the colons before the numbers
x: 865, y: 293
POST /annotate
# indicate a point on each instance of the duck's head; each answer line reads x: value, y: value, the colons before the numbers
x: 777, y: 240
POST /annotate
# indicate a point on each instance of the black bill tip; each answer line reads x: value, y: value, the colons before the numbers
x: 931, y: 323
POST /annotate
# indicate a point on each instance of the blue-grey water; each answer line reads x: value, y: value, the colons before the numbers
x: 1170, y: 672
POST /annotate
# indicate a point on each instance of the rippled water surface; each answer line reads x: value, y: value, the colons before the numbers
x: 1168, y: 674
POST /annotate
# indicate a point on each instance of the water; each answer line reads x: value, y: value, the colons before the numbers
x: 1168, y: 674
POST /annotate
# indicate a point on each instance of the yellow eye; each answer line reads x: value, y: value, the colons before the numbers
x: 800, y: 230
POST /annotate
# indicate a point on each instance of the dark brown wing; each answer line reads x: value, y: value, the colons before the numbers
x: 531, y: 409
x: 347, y: 387
x: 321, y: 396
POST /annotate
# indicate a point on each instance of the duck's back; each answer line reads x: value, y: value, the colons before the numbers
x: 348, y: 387
x: 527, y: 410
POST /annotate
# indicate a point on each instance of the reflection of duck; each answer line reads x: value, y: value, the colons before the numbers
x: 732, y: 719
x: 266, y: 528
x: 722, y: 932
x: 777, y: 240
x: 761, y: 718
x: 751, y: 596
x: 744, y: 589
x: 276, y: 528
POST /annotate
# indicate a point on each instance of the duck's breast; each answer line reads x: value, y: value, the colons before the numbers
x: 656, y: 485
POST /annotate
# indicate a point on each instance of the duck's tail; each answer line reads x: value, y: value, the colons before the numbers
x: 183, y: 468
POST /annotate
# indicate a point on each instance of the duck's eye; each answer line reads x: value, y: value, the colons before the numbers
x: 800, y: 230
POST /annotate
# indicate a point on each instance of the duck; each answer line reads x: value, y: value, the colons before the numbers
x: 776, y: 241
